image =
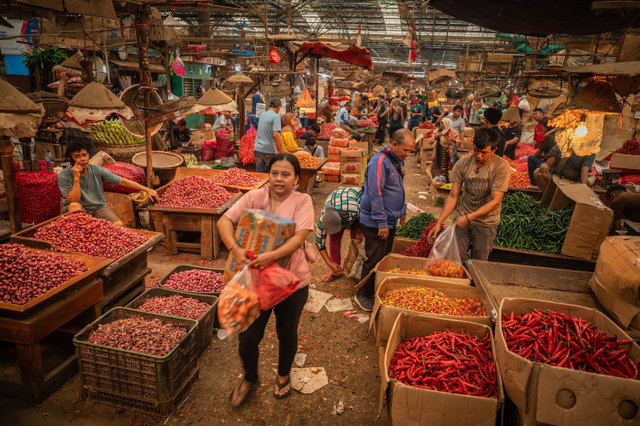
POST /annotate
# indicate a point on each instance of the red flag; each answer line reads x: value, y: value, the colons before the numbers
x: 359, y: 38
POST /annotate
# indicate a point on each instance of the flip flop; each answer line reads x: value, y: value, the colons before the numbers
x: 244, y: 399
x: 281, y: 386
x: 330, y: 277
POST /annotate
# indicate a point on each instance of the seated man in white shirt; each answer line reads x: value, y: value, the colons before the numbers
x: 223, y: 122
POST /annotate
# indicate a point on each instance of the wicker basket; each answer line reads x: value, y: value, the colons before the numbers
x: 52, y: 103
x: 133, y: 96
x: 165, y: 164
x: 123, y: 154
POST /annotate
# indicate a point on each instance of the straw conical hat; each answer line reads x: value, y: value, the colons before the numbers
x: 512, y: 115
x: 238, y: 78
x: 14, y: 101
x: 214, y: 97
x: 96, y: 95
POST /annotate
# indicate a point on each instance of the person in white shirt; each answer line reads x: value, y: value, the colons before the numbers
x: 342, y: 117
x: 223, y: 122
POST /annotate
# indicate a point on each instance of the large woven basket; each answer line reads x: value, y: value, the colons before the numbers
x: 52, y: 103
x: 123, y: 154
x: 165, y: 164
x: 133, y: 96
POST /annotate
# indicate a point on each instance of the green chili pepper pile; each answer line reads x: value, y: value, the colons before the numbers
x: 526, y: 225
x: 413, y: 227
x: 421, y: 299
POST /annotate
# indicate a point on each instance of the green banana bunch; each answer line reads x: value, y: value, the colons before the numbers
x: 112, y: 133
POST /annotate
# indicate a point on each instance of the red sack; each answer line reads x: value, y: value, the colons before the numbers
x: 127, y: 171
x: 245, y: 149
x: 274, y: 56
x: 38, y: 195
x: 224, y: 147
x: 208, y: 151
x: 273, y: 284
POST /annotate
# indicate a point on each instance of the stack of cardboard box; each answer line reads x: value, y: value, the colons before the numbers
x: 352, y: 161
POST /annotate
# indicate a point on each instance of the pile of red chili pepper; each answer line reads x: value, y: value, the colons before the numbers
x: 446, y: 268
x: 426, y: 125
x: 406, y: 271
x: 421, y: 299
x: 422, y: 248
x: 565, y: 341
x: 631, y: 147
x: 446, y: 361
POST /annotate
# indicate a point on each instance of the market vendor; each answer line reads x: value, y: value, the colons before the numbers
x: 415, y: 113
x: 287, y: 134
x: 539, y: 133
x: 312, y: 132
x: 81, y: 185
x: 341, y: 210
x: 535, y: 160
x: 181, y: 133
x: 342, y: 117
x: 574, y: 167
x: 479, y: 182
x: 625, y: 205
x: 313, y: 148
x: 512, y: 135
x: 223, y: 122
x: 279, y: 198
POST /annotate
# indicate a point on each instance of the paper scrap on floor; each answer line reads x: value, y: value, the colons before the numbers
x: 336, y: 305
x: 308, y: 380
x: 316, y: 300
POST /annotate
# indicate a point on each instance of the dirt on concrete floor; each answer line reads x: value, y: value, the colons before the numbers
x: 344, y: 347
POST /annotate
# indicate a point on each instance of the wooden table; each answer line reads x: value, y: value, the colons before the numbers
x: 183, y: 172
x: 43, y: 366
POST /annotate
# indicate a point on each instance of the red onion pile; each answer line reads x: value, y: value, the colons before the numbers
x: 176, y: 306
x: 136, y: 334
x: 38, y: 195
x: 127, y: 171
x: 26, y: 273
x: 194, y: 192
x: 196, y: 280
x: 236, y: 177
x: 83, y: 233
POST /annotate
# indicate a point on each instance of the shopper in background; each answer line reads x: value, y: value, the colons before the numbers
x: 574, y: 167
x: 341, y: 210
x: 313, y: 148
x: 396, y: 121
x: 449, y: 140
x: 382, y: 113
x: 512, y: 135
x: 415, y: 113
x: 625, y: 205
x: 312, y: 132
x: 342, y: 117
x: 457, y: 125
x: 535, y: 160
x: 383, y: 206
x: 256, y: 99
x: 479, y: 182
x: 268, y: 142
x: 281, y: 199
x: 539, y: 132
x: 287, y: 133
x: 491, y: 118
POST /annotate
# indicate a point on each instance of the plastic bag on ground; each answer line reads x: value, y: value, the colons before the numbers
x: 273, y: 284
x: 446, y: 246
x: 238, y: 305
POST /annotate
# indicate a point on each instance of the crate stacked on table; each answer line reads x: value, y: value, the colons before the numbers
x: 352, y: 163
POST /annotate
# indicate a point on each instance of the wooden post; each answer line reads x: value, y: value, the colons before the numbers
x: 142, y: 31
x: 241, y: 117
x: 6, y: 162
x: 317, y: 86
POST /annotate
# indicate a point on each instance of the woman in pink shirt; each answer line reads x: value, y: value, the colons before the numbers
x: 281, y: 199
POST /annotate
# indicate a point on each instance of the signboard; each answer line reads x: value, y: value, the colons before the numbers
x: 260, y: 109
x: 20, y: 32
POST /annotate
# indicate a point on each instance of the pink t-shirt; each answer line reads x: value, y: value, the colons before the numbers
x: 297, y: 208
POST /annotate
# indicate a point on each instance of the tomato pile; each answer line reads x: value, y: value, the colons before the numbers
x: 236, y: 177
x: 308, y: 161
x: 447, y: 361
x: 446, y: 268
x: 566, y: 341
x: 631, y: 147
x: 519, y: 180
x: 194, y: 192
x: 421, y: 299
x: 427, y: 125
x: 406, y: 271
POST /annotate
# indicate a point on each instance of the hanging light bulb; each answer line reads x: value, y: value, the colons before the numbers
x: 581, y: 130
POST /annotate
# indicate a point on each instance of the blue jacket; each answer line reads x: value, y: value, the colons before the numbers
x: 383, y: 201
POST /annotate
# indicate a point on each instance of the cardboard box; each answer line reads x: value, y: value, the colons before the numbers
x: 351, y: 178
x: 391, y: 261
x: 408, y: 405
x: 364, y: 146
x: 421, y: 132
x: 258, y: 231
x: 469, y: 132
x: 351, y: 155
x: 400, y: 244
x: 538, y: 389
x: 427, y: 143
x: 332, y: 178
x: 625, y: 162
x: 352, y: 167
x: 590, y: 221
x: 616, y: 280
x: 383, y: 316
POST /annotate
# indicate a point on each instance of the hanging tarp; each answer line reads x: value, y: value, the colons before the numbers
x: 349, y: 53
x: 541, y: 18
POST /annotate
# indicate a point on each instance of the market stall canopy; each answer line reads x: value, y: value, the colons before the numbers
x: 213, y: 102
x: 95, y: 103
x: 19, y: 115
x: 543, y: 17
x: 349, y: 53
x: 238, y: 78
x: 623, y: 75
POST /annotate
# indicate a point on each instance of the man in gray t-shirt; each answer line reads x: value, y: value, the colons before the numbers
x: 268, y: 136
x: 81, y: 186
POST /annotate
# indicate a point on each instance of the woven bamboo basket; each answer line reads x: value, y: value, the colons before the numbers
x: 165, y: 164
x: 123, y: 154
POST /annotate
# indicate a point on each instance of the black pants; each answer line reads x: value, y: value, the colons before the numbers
x: 375, y: 248
x: 287, y: 317
x: 382, y: 128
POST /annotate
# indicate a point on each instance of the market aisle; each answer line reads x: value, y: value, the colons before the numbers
x: 345, y: 348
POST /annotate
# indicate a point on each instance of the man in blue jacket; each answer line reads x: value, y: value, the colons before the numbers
x: 383, y: 204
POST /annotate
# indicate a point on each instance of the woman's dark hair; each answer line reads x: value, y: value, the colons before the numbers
x: 74, y: 147
x: 285, y: 156
x: 485, y: 137
x: 615, y: 188
x: 315, y: 128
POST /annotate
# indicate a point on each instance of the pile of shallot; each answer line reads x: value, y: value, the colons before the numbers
x: 196, y: 280
x: 175, y: 306
x: 194, y: 192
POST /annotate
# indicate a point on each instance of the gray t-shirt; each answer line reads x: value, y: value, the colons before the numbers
x: 457, y: 124
x: 318, y: 151
x: 478, y: 183
x: 92, y: 194
x: 269, y: 123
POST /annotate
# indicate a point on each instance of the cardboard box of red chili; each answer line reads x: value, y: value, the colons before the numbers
x: 556, y: 395
x: 408, y: 405
x: 355, y: 167
x: 383, y: 315
x: 258, y: 231
x: 392, y: 261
